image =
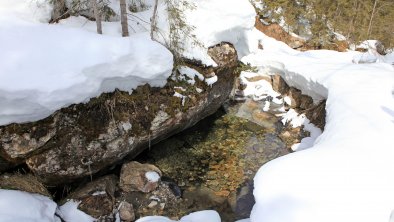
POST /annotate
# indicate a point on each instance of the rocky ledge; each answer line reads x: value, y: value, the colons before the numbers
x: 83, y: 139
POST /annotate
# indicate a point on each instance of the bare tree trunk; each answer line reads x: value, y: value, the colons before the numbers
x: 59, y: 10
x: 97, y: 16
x: 123, y: 18
x: 153, y: 25
x: 370, y: 20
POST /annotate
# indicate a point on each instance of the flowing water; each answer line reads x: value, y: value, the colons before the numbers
x: 215, y: 161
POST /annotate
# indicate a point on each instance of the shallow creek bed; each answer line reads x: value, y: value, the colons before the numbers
x: 214, y: 162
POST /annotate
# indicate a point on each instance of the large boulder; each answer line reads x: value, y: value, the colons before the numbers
x: 83, y: 139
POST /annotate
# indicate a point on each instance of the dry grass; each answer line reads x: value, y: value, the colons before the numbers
x: 23, y: 182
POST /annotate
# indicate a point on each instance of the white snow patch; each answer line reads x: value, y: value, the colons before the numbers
x: 27, y: 207
x: 183, y: 98
x: 210, y: 81
x: 259, y: 89
x: 190, y: 73
x: 98, y: 193
x: 200, y: 216
x: 22, y: 206
x: 296, y: 120
x: 69, y: 212
x: 152, y: 176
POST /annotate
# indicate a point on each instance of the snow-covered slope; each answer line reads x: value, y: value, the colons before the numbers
x: 347, y: 174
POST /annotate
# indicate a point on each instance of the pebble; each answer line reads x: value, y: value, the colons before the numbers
x: 152, y: 204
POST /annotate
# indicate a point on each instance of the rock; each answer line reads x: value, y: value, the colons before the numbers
x: 97, y: 197
x: 380, y: 49
x: 135, y: 176
x: 152, y: 204
x: 223, y: 54
x: 279, y: 84
x: 5, y: 165
x: 242, y: 201
x: 83, y: 139
x: 295, y: 97
x: 126, y: 211
x: 23, y: 182
x: 305, y: 102
x: 317, y: 114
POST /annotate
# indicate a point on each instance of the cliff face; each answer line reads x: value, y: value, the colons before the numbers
x: 83, y: 139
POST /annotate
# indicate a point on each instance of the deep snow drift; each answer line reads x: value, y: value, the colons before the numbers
x: 44, y: 67
x: 346, y: 175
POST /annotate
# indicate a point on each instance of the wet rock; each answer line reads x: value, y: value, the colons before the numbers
x: 242, y: 201
x: 126, y: 211
x: 97, y: 197
x: 135, y: 176
x: 23, y: 182
x: 83, y: 139
x: 176, y: 190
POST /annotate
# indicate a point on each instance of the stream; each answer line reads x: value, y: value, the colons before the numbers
x: 214, y: 162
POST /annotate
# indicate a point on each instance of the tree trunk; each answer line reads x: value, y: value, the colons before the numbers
x: 97, y: 16
x: 370, y: 20
x: 123, y: 18
x: 153, y: 20
x: 59, y: 10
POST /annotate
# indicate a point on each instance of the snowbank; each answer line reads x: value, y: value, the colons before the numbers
x: 200, y: 216
x: 346, y: 175
x: 213, y: 22
x: 21, y: 206
x: 45, y: 67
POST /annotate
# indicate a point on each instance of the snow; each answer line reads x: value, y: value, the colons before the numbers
x: 191, y: 74
x: 297, y: 120
x: 205, y: 215
x: 342, y: 174
x: 58, y: 65
x: 260, y: 89
x: 183, y: 98
x: 229, y: 21
x: 26, y: 207
x: 210, y: 81
x: 70, y: 213
x: 152, y: 176
x: 21, y: 206
x: 66, y: 63
x: 345, y: 174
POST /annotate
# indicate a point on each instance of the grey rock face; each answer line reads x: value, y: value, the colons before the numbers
x: 83, y: 139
